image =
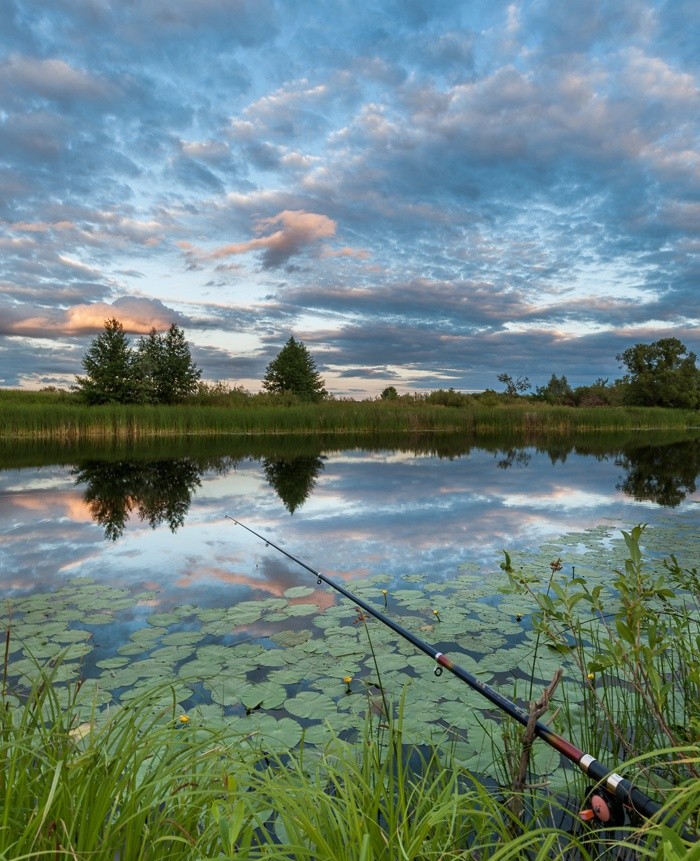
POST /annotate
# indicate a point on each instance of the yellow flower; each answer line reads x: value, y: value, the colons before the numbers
x: 590, y: 677
x: 385, y: 591
x: 184, y: 719
x: 436, y: 614
x: 347, y: 679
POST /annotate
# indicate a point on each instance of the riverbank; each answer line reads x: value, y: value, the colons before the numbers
x: 47, y: 416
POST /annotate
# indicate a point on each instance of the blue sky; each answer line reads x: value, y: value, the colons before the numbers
x: 425, y: 192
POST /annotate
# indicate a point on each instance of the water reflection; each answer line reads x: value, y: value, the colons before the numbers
x: 161, y: 491
x: 293, y: 478
x: 662, y: 475
x: 422, y: 505
x: 514, y: 457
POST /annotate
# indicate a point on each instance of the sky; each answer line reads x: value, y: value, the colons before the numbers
x: 426, y: 193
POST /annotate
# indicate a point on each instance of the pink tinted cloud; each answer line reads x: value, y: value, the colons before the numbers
x: 297, y: 230
x: 136, y: 315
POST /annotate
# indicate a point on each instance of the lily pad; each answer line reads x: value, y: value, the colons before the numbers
x: 299, y: 592
x: 311, y: 705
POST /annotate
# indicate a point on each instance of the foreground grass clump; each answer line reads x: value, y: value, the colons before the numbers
x: 147, y: 782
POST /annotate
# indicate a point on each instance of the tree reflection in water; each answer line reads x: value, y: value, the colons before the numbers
x: 293, y: 478
x: 662, y: 475
x: 160, y: 490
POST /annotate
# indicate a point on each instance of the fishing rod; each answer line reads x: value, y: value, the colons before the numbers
x: 615, y: 789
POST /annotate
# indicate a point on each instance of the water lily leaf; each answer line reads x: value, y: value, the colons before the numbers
x: 182, y: 638
x: 276, y: 735
x: 163, y: 620
x: 390, y: 662
x: 226, y: 692
x: 291, y: 638
x: 299, y: 592
x: 311, y: 705
x: 131, y: 650
x: 171, y: 655
x: 112, y: 663
x: 344, y: 646
x: 268, y: 695
x: 295, y: 610
x: 147, y: 635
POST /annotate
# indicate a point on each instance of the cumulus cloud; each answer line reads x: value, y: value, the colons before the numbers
x: 137, y: 316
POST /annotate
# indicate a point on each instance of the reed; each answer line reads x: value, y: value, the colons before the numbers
x: 48, y: 416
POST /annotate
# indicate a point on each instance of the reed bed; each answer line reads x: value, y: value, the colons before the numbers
x: 33, y: 417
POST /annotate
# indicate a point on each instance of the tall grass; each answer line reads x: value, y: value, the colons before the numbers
x: 47, y: 416
x: 143, y: 783
x: 634, y: 644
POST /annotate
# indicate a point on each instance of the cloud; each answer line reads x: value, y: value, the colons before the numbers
x: 137, y: 315
x: 431, y: 187
x: 52, y: 79
x: 298, y: 231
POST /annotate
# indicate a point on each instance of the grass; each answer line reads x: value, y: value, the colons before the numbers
x: 140, y: 783
x: 60, y: 417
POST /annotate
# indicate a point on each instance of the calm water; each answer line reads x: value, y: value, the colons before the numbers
x: 150, y: 521
x: 155, y: 522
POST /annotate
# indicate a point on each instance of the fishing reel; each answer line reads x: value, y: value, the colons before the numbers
x: 602, y: 809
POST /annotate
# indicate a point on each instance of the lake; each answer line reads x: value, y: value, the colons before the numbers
x: 138, y: 550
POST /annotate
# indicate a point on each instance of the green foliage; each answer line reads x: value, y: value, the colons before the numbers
x: 164, y: 367
x: 661, y: 374
x: 600, y: 394
x: 449, y: 398
x: 151, y: 782
x: 110, y: 369
x: 219, y: 410
x: 635, y: 642
x: 219, y: 395
x: 389, y: 394
x: 294, y: 370
x: 557, y: 391
x: 293, y: 478
x: 159, y: 371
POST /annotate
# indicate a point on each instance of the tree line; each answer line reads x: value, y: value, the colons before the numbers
x: 661, y: 374
x: 160, y: 370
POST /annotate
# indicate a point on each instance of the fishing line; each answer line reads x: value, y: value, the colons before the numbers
x: 620, y: 788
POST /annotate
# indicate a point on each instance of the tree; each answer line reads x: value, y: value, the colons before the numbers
x: 109, y: 367
x: 149, y: 357
x: 389, y: 394
x: 165, y: 367
x: 514, y: 387
x: 661, y: 374
x: 557, y: 391
x: 293, y: 370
